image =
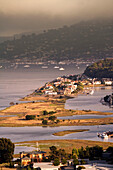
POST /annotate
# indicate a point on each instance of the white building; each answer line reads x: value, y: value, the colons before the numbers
x: 47, y: 92
x: 45, y: 166
x: 108, y: 82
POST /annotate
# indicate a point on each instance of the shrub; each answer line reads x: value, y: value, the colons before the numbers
x: 57, y: 121
x: 64, y: 161
x: 30, y: 117
x: 83, y: 161
x: 52, y: 118
x: 56, y: 162
x: 44, y: 122
x: 11, y: 103
x: 75, y: 162
x: 45, y: 112
x: 52, y: 112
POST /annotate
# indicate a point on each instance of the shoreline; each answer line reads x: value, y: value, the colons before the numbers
x: 36, y: 104
x: 67, y: 144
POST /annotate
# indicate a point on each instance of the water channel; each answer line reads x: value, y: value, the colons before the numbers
x: 19, y: 134
x: 19, y: 85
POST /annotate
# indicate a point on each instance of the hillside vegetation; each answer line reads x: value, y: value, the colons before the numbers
x: 92, y: 39
x: 100, y: 69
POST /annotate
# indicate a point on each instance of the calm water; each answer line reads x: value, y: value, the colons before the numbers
x: 16, y: 84
x: 91, y: 102
x: 18, y: 134
x: 85, y: 116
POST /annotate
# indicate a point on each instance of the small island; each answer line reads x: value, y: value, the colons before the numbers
x: 66, y: 132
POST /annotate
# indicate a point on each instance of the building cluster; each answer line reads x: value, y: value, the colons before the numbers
x: 68, y: 85
x: 60, y: 86
x: 35, y: 159
x: 28, y: 158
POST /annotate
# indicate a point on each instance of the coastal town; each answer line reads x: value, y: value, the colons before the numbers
x: 72, y: 84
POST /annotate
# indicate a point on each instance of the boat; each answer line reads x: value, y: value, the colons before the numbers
x: 44, y: 66
x: 56, y: 67
x: 103, y: 135
x: 61, y: 69
x: 26, y: 66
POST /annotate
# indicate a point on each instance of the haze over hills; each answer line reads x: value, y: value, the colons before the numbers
x: 86, y: 40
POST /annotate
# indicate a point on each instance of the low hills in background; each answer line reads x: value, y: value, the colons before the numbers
x: 100, y: 69
x: 85, y: 40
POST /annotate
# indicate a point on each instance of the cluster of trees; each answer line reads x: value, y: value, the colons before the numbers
x: 6, y: 150
x: 60, y: 155
x: 30, y: 117
x: 79, y: 40
x: 100, y: 69
x: 52, y: 118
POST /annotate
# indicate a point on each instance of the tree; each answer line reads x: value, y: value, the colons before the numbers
x: 44, y: 122
x: 75, y: 153
x: 57, y: 121
x: 56, y: 162
x: 95, y: 152
x: 75, y: 162
x: 82, y: 161
x: 45, y: 112
x: 6, y: 150
x: 52, y: 118
x: 53, y: 148
x: 53, y: 152
x: 64, y: 161
x: 30, y: 117
x: 81, y: 153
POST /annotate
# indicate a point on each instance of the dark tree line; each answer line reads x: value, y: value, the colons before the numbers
x: 6, y: 150
x: 100, y: 69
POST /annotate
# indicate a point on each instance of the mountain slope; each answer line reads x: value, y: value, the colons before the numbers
x: 92, y: 39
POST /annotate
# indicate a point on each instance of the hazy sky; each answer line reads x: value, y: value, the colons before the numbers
x: 18, y: 16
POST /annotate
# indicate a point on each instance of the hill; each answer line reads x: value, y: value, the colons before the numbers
x: 2, y: 38
x: 87, y: 40
x: 100, y: 69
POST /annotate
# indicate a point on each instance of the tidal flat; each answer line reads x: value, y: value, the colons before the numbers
x: 37, y: 104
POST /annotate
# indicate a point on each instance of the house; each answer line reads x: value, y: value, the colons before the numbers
x: 72, y: 87
x: 107, y: 81
x: 57, y: 83
x: 25, y: 161
x: 67, y: 91
x: 30, y: 157
x: 47, y: 92
x: 48, y: 86
x: 97, y: 82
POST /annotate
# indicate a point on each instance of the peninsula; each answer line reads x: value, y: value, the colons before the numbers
x: 45, y: 104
